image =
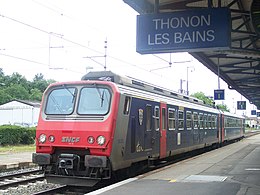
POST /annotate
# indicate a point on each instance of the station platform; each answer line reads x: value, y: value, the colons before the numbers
x: 9, y: 160
x: 233, y: 170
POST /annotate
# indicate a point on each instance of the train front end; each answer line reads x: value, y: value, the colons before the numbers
x: 75, y: 132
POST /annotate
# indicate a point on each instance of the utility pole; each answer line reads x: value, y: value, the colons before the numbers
x: 192, y: 69
x: 102, y: 56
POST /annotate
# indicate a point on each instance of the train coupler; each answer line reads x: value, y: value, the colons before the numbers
x: 68, y: 162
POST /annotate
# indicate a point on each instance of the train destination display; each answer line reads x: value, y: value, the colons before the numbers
x: 191, y: 30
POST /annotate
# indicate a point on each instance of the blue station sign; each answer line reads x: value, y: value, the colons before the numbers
x: 253, y: 112
x: 219, y: 94
x: 241, y: 105
x: 191, y: 30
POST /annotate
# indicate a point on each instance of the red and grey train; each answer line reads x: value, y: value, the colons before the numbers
x: 106, y: 123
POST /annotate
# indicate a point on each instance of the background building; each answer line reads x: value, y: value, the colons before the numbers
x: 252, y: 122
x: 20, y: 112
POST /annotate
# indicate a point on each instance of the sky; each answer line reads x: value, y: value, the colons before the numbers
x: 65, y: 39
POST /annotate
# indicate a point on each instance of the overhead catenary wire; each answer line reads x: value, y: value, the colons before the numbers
x: 61, y: 13
x: 35, y: 62
x: 50, y: 33
x: 72, y: 42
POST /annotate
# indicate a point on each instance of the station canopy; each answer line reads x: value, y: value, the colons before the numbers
x: 238, y: 66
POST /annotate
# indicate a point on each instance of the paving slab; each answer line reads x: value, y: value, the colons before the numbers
x: 233, y: 170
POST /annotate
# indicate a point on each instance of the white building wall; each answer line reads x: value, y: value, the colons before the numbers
x: 17, y: 113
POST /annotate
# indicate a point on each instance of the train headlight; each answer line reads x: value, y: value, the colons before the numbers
x: 42, y: 138
x: 91, y: 140
x: 101, y: 140
x: 51, y: 138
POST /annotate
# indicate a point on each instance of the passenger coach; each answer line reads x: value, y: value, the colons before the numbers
x: 105, y: 123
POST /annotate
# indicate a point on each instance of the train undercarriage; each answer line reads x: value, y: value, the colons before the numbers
x: 74, y: 169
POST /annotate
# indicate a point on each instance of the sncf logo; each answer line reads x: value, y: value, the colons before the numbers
x: 70, y: 139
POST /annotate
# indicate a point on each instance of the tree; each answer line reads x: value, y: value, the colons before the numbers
x: 201, y: 96
x: 4, y: 97
x: 1, y: 72
x: 210, y: 101
x: 2, y: 77
x: 39, y: 82
x: 223, y: 107
x: 36, y: 94
x: 18, y: 79
x: 17, y: 92
x: 16, y: 86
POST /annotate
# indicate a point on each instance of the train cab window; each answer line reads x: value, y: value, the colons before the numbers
x: 148, y: 117
x: 209, y: 122
x: 195, y: 120
x: 201, y: 121
x: 94, y: 100
x: 61, y: 101
x: 157, y: 118
x: 180, y: 120
x: 188, y: 120
x: 127, y: 105
x: 171, y: 119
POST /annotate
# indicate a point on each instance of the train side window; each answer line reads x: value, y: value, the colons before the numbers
x: 204, y: 121
x: 180, y: 120
x: 225, y: 122
x: 214, y: 122
x: 171, y: 119
x: 234, y: 121
x: 201, y: 121
x: 238, y: 122
x: 148, y: 117
x: 157, y: 118
x: 127, y: 105
x: 188, y: 120
x: 195, y: 120
x: 209, y: 122
x: 228, y: 122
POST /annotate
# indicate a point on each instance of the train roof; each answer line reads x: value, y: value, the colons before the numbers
x: 232, y: 115
x: 139, y: 84
x: 145, y: 86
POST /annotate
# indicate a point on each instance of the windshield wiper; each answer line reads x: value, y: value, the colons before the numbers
x: 101, y: 96
x: 73, y: 94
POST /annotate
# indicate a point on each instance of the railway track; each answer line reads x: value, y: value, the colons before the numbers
x: 11, y: 180
x: 21, y: 181
x: 32, y: 182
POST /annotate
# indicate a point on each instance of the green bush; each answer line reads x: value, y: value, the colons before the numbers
x: 28, y: 135
x: 15, y: 135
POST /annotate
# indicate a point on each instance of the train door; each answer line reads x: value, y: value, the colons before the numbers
x: 219, y: 126
x: 148, y: 134
x: 222, y: 127
x: 163, y: 127
x: 196, y: 137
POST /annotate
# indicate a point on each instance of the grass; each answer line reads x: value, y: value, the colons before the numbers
x: 17, y: 149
